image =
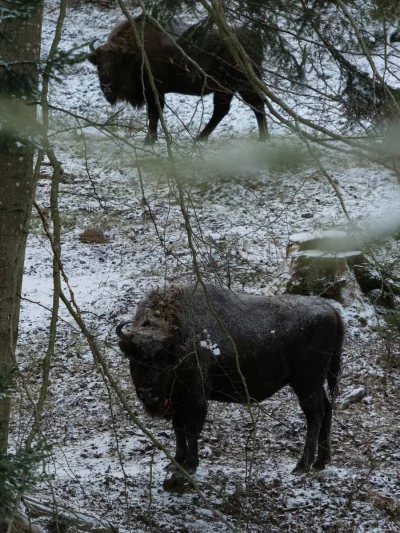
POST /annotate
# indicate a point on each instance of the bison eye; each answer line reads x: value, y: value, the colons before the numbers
x: 128, y: 58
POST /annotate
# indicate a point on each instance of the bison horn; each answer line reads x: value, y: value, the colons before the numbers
x: 91, y: 45
x: 118, y: 330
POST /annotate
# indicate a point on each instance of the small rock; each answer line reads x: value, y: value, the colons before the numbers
x: 176, y: 483
x: 353, y: 396
x: 93, y: 236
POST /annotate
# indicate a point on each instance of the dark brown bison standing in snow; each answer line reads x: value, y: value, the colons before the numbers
x: 123, y: 76
x: 180, y: 358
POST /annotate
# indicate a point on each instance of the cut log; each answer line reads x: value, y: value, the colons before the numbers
x: 77, y: 519
x: 322, y: 263
x: 324, y: 273
x: 328, y: 241
x: 21, y: 524
x: 329, y: 264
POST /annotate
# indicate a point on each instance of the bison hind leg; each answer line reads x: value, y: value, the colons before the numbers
x: 256, y: 103
x: 324, y: 439
x: 314, y: 408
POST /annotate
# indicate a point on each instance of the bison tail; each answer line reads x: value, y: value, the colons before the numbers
x: 336, y: 361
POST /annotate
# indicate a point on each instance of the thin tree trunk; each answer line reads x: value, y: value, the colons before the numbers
x: 20, y: 42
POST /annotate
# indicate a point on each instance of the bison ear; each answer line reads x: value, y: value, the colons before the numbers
x: 92, y: 58
x: 129, y: 57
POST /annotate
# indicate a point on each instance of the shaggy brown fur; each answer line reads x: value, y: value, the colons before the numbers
x: 159, y: 306
x: 180, y: 358
x: 123, y: 76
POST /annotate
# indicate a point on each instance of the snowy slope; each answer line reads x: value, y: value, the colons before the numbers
x: 244, y: 203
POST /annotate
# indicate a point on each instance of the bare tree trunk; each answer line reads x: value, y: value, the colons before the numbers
x: 20, y: 42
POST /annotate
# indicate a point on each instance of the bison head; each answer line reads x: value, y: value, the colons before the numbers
x: 114, y: 63
x: 151, y: 351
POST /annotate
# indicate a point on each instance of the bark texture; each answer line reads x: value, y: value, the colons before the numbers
x: 20, y: 48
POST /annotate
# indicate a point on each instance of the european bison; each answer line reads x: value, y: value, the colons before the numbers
x: 180, y: 358
x: 123, y: 76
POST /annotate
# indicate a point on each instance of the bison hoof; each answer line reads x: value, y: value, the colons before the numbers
x: 150, y: 139
x: 300, y: 469
x: 190, y: 469
x: 320, y: 465
x: 201, y: 139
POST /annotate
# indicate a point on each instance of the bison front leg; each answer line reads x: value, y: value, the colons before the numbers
x: 153, y: 116
x: 313, y: 406
x: 188, y: 423
x: 195, y: 418
x: 180, y: 436
x: 255, y: 101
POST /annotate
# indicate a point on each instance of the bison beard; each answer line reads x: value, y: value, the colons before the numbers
x: 123, y: 78
x: 180, y: 357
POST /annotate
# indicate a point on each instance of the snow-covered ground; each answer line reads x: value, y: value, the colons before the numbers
x: 245, y: 201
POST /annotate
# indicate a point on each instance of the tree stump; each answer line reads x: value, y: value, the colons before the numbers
x: 322, y: 264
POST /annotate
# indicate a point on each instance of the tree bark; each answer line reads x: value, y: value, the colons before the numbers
x: 20, y: 48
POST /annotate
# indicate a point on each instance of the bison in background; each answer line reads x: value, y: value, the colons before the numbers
x: 180, y: 358
x: 123, y: 76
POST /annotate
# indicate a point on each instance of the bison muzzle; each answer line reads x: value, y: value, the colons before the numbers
x: 180, y: 357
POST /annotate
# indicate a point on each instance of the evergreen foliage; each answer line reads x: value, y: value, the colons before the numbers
x: 15, y: 79
x: 301, y: 36
x: 18, y: 10
x: 18, y: 474
x: 18, y: 79
x: 18, y: 471
x: 388, y: 10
